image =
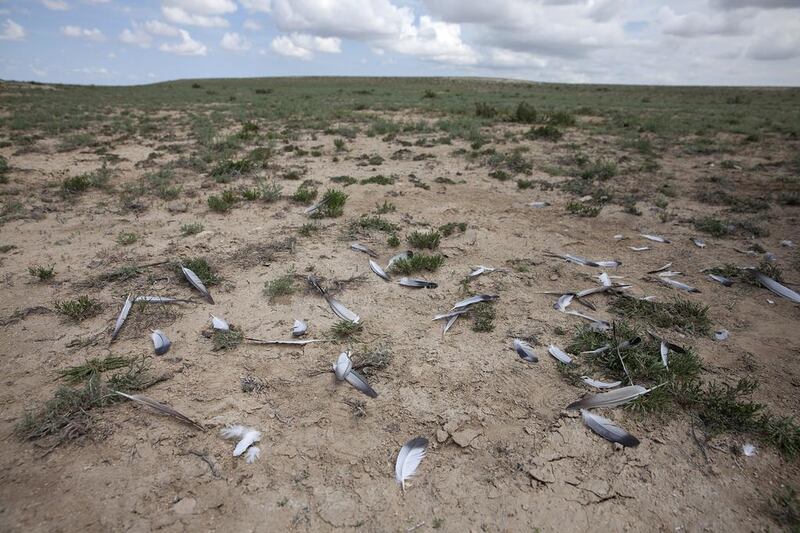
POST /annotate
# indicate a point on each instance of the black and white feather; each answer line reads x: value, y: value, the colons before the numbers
x: 608, y: 429
x: 525, y: 351
x: 614, y: 398
x: 343, y: 369
x: 123, y: 315
x: 416, y: 283
x: 195, y: 282
x: 376, y: 268
x: 161, y: 343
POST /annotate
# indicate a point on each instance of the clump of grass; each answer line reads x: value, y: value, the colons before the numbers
x: 380, y: 179
x: 712, y: 226
x: 483, y: 315
x: 428, y: 239
x: 307, y: 229
x: 226, y: 340
x: 219, y: 204
x: 192, y: 228
x: 304, y: 195
x: 525, y: 114
x: 376, y: 223
x: 417, y: 263
x: 332, y: 204
x: 42, y: 273
x: 393, y: 241
x: 123, y: 273
x: 485, y: 110
x: 230, y: 169
x: 252, y: 384
x: 385, y: 207
x: 76, y: 184
x: 292, y: 175
x: 80, y: 309
x: 280, y: 286
x: 370, y: 361
x: 500, y: 175
x: 89, y: 369
x: 126, y: 238
x: 345, y: 329
x: 785, y: 508
x: 270, y: 191
x: 684, y: 315
x: 583, y: 209
x: 451, y: 227
x: 600, y: 169
x: 251, y: 194
x: 340, y: 145
x: 717, y: 228
x: 525, y: 184
x: 344, y: 181
x: 201, y: 267
x: 547, y: 132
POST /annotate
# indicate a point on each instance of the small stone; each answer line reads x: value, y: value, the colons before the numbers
x: 441, y: 435
x: 465, y: 436
x: 185, y: 506
x: 177, y: 207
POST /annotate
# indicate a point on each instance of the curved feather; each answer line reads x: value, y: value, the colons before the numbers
x: 219, y: 323
x: 375, y: 267
x: 609, y: 399
x: 417, y: 283
x: 682, y: 286
x: 252, y: 454
x: 288, y: 342
x: 409, y: 458
x: 341, y: 311
x: 525, y: 351
x: 161, y: 408
x: 478, y: 298
x: 343, y: 365
x: 559, y: 354
x: 777, y: 288
x: 608, y: 429
x: 250, y: 436
x: 158, y: 299
x: 654, y: 238
x: 664, y: 354
x: 361, y: 248
x: 563, y: 302
x: 161, y: 343
x: 721, y: 279
x: 450, y: 321
x: 126, y: 308
x: 600, y: 384
x: 192, y: 278
x: 357, y: 380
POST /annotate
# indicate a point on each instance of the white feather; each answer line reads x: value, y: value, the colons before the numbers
x: 252, y: 454
x: 559, y: 354
x: 219, y: 323
x: 233, y: 432
x: 245, y: 434
x: 411, y: 454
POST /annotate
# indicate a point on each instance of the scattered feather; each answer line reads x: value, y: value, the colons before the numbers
x: 639, y: 248
x: 563, y: 302
x: 411, y: 454
x: 288, y: 342
x: 654, y: 238
x: 161, y: 343
x: 192, y: 278
x: 480, y: 269
x: 665, y: 354
x: 159, y: 300
x: 721, y: 335
x: 361, y: 248
x: 375, y: 267
x: 700, y: 243
x: 619, y: 237
x: 609, y: 399
x: 661, y: 269
x: 472, y: 300
x: 788, y: 244
x: 398, y: 257
x: 450, y: 321
x: 605, y: 280
x: 246, y: 435
x: 252, y: 454
x: 126, y: 308
x: 539, y: 205
x: 677, y: 284
x: 161, y: 408
x: 219, y: 323
x: 341, y: 311
x: 525, y: 351
x: 343, y: 369
x: 749, y: 450
x: 559, y: 354
x: 600, y: 384
x: 608, y: 429
x: 777, y: 288
x: 299, y: 328
x: 451, y: 314
x: 721, y: 279
x: 417, y: 283
x: 597, y: 351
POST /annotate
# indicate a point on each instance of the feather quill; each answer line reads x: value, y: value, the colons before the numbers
x: 161, y: 343
x: 288, y: 342
x: 472, y: 300
x: 525, y: 351
x: 192, y: 278
x: 159, y: 300
x: 609, y: 399
x: 161, y: 408
x: 608, y: 429
x: 409, y: 458
x: 375, y: 267
x: 661, y: 269
x: 126, y: 308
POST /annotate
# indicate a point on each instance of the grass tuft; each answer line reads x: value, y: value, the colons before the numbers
x: 43, y: 273
x: 200, y: 266
x: 332, y: 204
x: 684, y: 315
x: 280, y: 286
x: 80, y: 309
x: 345, y: 329
x: 191, y: 229
x: 418, y: 263
x: 429, y: 240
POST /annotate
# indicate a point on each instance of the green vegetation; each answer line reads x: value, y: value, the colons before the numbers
x: 219, y: 204
x: 366, y: 222
x: 417, y: 263
x: 42, y: 273
x: 451, y: 227
x: 684, y: 315
x: 191, y: 229
x: 483, y: 315
x: 226, y: 340
x: 344, y: 329
x: 385, y: 207
x: 80, y: 309
x: 307, y: 229
x: 88, y: 370
x: 304, y: 194
x: 126, y: 238
x: 378, y: 180
x: 280, y: 286
x: 200, y: 266
x: 231, y: 169
x: 344, y: 181
x: 393, y: 241
x: 332, y: 204
x: 429, y: 239
x: 583, y: 209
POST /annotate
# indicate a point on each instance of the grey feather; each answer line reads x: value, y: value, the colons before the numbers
x: 126, y: 308
x: 609, y: 399
x: 451, y: 314
x: 395, y: 258
x: 700, y: 243
x: 192, y: 278
x: 288, y: 342
x: 597, y: 351
x: 559, y: 354
x: 357, y: 380
x: 343, y: 365
x: 639, y: 248
x: 662, y: 269
x: 563, y: 302
x: 525, y: 351
x: 777, y: 288
x: 417, y: 283
x: 375, y: 267
x: 608, y: 429
x: 161, y: 343
x: 654, y: 238
x: 314, y: 282
x: 600, y: 384
x: 472, y: 300
x: 664, y: 354
x: 450, y: 321
x: 299, y: 328
x: 161, y: 408
x: 341, y: 311
x: 159, y: 300
x: 721, y: 279
x: 408, y: 460
x: 361, y: 248
x: 677, y: 284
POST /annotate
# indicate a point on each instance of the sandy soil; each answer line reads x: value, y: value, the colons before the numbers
x: 504, y: 455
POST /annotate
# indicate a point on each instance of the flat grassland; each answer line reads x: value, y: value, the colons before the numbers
x: 105, y: 191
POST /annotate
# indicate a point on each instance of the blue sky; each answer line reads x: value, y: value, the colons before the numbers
x: 724, y: 42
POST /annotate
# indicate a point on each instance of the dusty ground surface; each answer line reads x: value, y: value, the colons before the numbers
x: 504, y: 454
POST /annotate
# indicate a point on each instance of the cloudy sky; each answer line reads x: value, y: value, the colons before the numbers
x: 726, y: 42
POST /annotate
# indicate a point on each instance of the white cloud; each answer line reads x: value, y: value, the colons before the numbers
x: 55, y: 5
x: 92, y: 71
x: 38, y: 71
x: 696, y: 24
x: 252, y: 25
x: 202, y: 7
x: 263, y: 6
x: 178, y: 15
x: 284, y: 46
x: 233, y: 42
x: 303, y: 45
x: 781, y: 40
x: 11, y: 31
x: 763, y: 4
x: 136, y: 36
x: 187, y: 46
x: 156, y: 27
x: 508, y: 59
x: 92, y: 34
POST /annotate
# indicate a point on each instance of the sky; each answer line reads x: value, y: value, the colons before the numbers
x: 675, y: 42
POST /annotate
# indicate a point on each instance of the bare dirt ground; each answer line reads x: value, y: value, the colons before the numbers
x: 504, y: 453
